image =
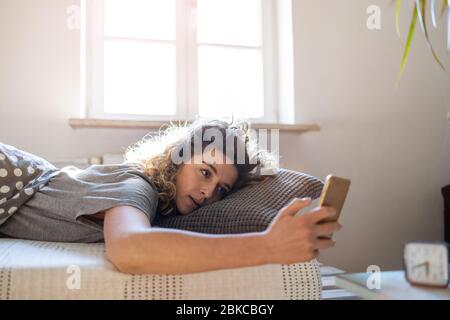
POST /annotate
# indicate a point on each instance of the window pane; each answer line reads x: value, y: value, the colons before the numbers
x: 150, y: 19
x: 230, y: 81
x: 139, y: 78
x: 235, y: 22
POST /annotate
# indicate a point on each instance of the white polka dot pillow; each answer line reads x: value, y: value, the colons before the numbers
x: 21, y: 174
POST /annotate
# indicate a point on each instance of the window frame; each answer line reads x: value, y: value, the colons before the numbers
x: 186, y: 64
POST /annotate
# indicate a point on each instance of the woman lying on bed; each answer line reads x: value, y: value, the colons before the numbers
x: 118, y: 203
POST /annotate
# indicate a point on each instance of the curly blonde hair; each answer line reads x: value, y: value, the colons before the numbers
x: 155, y: 154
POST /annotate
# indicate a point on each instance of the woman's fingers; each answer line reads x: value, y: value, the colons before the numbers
x: 322, y: 244
x: 326, y: 228
x: 320, y: 213
x: 294, y: 206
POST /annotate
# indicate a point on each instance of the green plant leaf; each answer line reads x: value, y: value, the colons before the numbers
x: 448, y: 26
x: 433, y: 13
x: 412, y: 27
x: 421, y: 8
x: 397, y: 20
x: 443, y: 7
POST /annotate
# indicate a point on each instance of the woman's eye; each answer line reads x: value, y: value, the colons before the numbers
x: 223, y: 192
x: 205, y: 172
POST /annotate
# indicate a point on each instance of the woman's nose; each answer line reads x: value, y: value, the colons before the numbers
x: 207, y: 192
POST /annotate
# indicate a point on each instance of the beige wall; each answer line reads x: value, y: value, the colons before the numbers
x: 395, y: 145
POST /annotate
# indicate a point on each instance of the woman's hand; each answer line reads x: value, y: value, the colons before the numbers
x: 293, y: 239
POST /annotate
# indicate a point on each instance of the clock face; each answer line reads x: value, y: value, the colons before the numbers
x: 427, y: 263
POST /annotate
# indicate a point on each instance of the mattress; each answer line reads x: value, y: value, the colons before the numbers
x: 61, y: 271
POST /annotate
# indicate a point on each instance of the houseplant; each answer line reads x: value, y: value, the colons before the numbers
x: 420, y: 14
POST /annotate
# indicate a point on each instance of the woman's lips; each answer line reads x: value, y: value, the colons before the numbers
x: 193, y: 203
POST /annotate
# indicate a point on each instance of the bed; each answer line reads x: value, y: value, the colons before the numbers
x: 57, y: 270
x: 66, y: 271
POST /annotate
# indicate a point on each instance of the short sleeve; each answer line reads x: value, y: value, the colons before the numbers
x: 58, y: 211
x: 134, y: 191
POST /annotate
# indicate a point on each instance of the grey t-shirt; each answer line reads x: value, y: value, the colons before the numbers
x: 57, y: 210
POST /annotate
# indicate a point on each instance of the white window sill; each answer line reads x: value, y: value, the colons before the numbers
x: 78, y: 123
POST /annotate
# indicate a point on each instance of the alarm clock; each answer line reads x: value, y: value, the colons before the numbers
x: 426, y: 263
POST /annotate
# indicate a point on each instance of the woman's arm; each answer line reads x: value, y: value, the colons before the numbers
x: 134, y: 247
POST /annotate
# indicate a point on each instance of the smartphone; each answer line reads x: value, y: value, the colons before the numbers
x: 333, y: 195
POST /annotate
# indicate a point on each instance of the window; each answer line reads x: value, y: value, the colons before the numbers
x: 174, y: 59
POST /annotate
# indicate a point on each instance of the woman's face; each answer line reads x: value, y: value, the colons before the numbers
x: 201, y: 183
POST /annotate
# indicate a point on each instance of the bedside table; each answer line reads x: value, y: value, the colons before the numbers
x: 393, y: 287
